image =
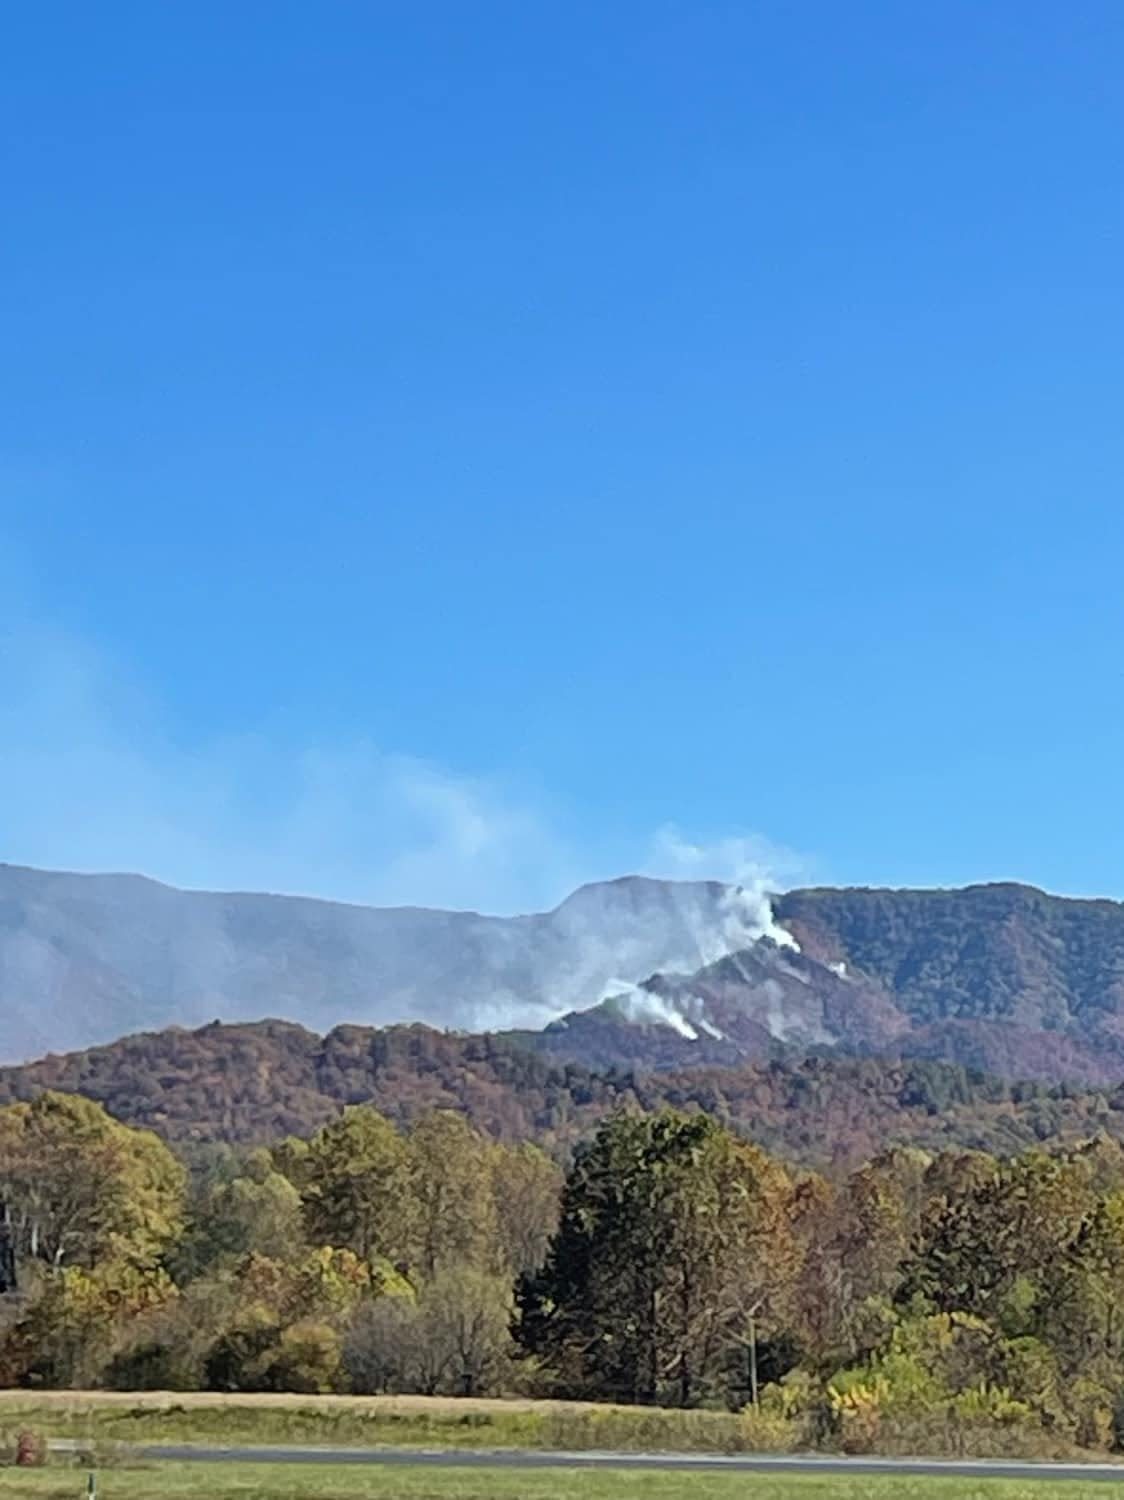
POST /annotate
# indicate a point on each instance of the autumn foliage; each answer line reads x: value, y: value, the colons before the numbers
x: 950, y: 1299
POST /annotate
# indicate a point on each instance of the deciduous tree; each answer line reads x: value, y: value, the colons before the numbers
x: 357, y: 1191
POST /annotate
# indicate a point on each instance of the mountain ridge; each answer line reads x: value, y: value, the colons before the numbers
x: 85, y: 958
x: 634, y: 972
x: 133, y: 877
x: 255, y: 1083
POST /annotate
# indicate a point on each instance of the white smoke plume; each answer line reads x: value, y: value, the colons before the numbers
x: 95, y: 779
x: 636, y: 1004
x: 753, y: 869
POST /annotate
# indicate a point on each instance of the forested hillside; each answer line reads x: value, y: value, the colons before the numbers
x: 254, y: 1084
x: 632, y: 973
x: 1000, y: 978
x: 987, y: 952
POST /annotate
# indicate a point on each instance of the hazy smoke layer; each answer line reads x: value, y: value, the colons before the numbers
x: 84, y: 959
x: 741, y: 917
x: 94, y: 781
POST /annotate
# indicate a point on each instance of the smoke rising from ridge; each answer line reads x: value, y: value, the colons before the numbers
x: 741, y: 917
x: 95, y: 780
x: 641, y: 1005
x: 752, y: 868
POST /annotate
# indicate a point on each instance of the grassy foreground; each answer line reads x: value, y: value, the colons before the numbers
x: 392, y: 1421
x: 278, y: 1482
x: 134, y: 1420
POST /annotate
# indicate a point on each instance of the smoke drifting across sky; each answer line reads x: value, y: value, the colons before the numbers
x: 92, y: 779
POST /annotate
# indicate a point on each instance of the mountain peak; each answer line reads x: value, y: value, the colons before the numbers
x: 84, y: 958
x: 1001, y: 977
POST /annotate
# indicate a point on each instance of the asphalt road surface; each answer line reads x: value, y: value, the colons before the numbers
x: 741, y: 1463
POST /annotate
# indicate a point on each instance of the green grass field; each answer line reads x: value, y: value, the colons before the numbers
x: 371, y: 1422
x: 116, y: 1426
x: 280, y: 1482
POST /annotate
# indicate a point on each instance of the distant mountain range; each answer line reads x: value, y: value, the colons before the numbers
x: 1000, y: 978
x: 633, y: 973
x: 85, y: 958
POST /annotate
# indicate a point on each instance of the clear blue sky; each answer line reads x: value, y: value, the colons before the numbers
x: 585, y: 417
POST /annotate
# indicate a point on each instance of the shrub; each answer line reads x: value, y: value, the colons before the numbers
x: 379, y: 1347
x: 31, y: 1449
x: 767, y: 1430
x: 307, y: 1359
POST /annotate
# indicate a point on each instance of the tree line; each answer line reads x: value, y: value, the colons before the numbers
x: 257, y: 1082
x: 925, y: 1299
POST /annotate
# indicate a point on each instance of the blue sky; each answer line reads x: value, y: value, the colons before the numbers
x: 450, y: 451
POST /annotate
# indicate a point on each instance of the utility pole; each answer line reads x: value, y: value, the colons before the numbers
x: 753, y: 1311
x: 8, y: 1281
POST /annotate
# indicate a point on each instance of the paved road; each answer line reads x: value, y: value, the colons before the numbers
x: 507, y: 1458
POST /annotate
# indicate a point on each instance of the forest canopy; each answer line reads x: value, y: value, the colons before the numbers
x: 252, y: 1084
x: 924, y: 1299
